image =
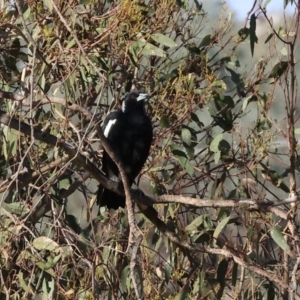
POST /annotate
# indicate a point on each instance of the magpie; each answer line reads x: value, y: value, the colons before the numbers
x: 129, y: 133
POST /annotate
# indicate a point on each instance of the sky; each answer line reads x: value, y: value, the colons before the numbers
x: 242, y: 7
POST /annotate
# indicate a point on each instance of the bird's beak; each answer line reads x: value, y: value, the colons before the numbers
x: 142, y: 97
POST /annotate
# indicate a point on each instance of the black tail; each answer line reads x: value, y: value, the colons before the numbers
x: 109, y: 199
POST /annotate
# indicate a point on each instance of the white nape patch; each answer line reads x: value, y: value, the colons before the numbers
x: 108, y: 127
x: 123, y: 106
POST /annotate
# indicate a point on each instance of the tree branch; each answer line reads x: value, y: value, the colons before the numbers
x: 272, y: 276
x: 83, y: 162
x: 149, y: 211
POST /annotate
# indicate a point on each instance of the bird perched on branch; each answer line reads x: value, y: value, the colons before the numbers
x: 129, y: 133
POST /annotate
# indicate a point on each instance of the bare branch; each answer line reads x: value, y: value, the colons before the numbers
x: 100, y: 73
x: 272, y: 276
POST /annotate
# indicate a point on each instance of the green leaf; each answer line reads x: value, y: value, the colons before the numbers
x: 164, y: 122
x: 198, y: 5
x: 45, y: 243
x: 235, y: 77
x: 281, y: 31
x: 193, y: 48
x: 283, y: 51
x: 195, y: 118
x: 253, y: 37
x: 278, y: 238
x: 51, y: 262
x: 71, y: 44
x: 217, y: 187
x: 224, y: 147
x: 10, y: 144
x: 266, y: 3
x: 185, y: 163
x: 195, y: 224
x: 186, y: 136
x: 164, y: 40
x: 269, y: 37
x: 214, y: 145
x: 124, y: 278
x: 221, y: 272
x: 221, y: 275
x: 145, y: 48
x: 132, y: 56
x: 183, y: 4
x: 154, y: 239
x: 17, y: 208
x: 169, y: 77
x: 168, y: 271
x: 83, y: 294
x: 48, y: 4
x: 232, y: 194
x: 223, y: 103
x: 279, y: 69
x: 220, y: 227
x: 73, y: 223
x: 183, y: 160
x: 203, y: 237
x: 286, y: 2
x: 271, y: 292
x: 248, y: 100
x: 178, y: 152
x: 64, y: 183
x: 182, y: 295
x: 243, y: 33
x: 190, y: 150
x: 23, y: 284
x: 106, y: 254
x: 49, y: 287
x: 205, y: 41
x: 220, y: 84
x: 217, y: 157
x: 150, y: 49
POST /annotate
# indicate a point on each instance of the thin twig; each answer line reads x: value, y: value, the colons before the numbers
x: 101, y: 75
x: 83, y: 162
x: 271, y: 276
x: 149, y: 212
x: 294, y: 277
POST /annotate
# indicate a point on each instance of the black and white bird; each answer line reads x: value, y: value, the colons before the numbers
x: 129, y: 133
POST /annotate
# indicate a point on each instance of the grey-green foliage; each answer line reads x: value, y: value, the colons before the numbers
x: 214, y: 130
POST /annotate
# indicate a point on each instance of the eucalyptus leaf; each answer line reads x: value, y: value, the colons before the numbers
x: 214, y: 146
x: 220, y: 227
x: 147, y: 49
x: 253, y: 37
x: 278, y: 238
x: 195, y: 224
x: 186, y: 136
x: 269, y: 37
x: 45, y: 243
x: 163, y: 39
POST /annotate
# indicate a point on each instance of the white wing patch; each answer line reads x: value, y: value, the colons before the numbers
x: 108, y: 127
